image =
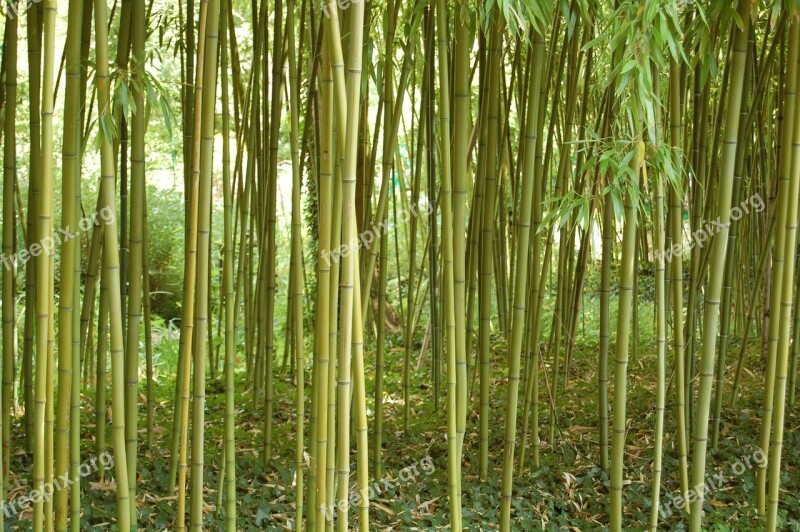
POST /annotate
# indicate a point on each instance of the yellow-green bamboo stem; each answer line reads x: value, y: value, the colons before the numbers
x: 111, y: 265
x: 519, y: 309
x: 229, y: 445
x: 717, y: 260
x: 626, y: 276
x: 785, y: 297
x: 351, y: 327
x: 190, y: 276
x: 69, y: 258
x: 9, y: 226
x: 44, y: 250
x: 676, y: 282
x: 322, y: 333
x: 204, y: 178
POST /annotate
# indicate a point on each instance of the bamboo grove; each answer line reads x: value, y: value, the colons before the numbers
x: 473, y: 165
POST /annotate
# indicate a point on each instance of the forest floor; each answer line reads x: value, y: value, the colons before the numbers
x: 567, y: 492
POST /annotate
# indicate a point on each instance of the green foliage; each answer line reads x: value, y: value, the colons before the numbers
x: 165, y: 215
x: 519, y: 15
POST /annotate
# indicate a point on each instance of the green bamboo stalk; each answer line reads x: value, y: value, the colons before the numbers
x: 70, y: 248
x: 336, y: 64
x: 75, y: 395
x: 565, y: 252
x: 317, y: 504
x: 476, y: 218
x: 386, y: 104
x: 519, y: 309
x: 412, y: 261
x: 188, y: 128
x: 351, y: 324
x: 227, y: 285
x: 34, y: 34
x: 659, y: 237
x: 121, y: 158
x: 380, y: 348
x: 9, y: 227
x: 605, y: 325
x: 461, y: 128
x: 780, y: 262
x: 790, y: 243
x: 627, y: 273
x: 717, y: 260
x: 487, y: 239
x: 271, y: 199
x: 203, y: 172
x: 761, y: 271
x: 359, y: 391
x: 336, y: 239
x: 730, y: 266
x: 100, y: 380
x: 9, y: 230
x: 453, y: 456
x: 111, y: 265
x: 134, y: 255
x: 42, y: 468
x: 534, y: 324
x: 91, y: 283
x: 434, y: 273
x: 792, y: 385
x: 296, y: 289
x: 148, y: 324
x: 190, y: 277
x: 676, y: 280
